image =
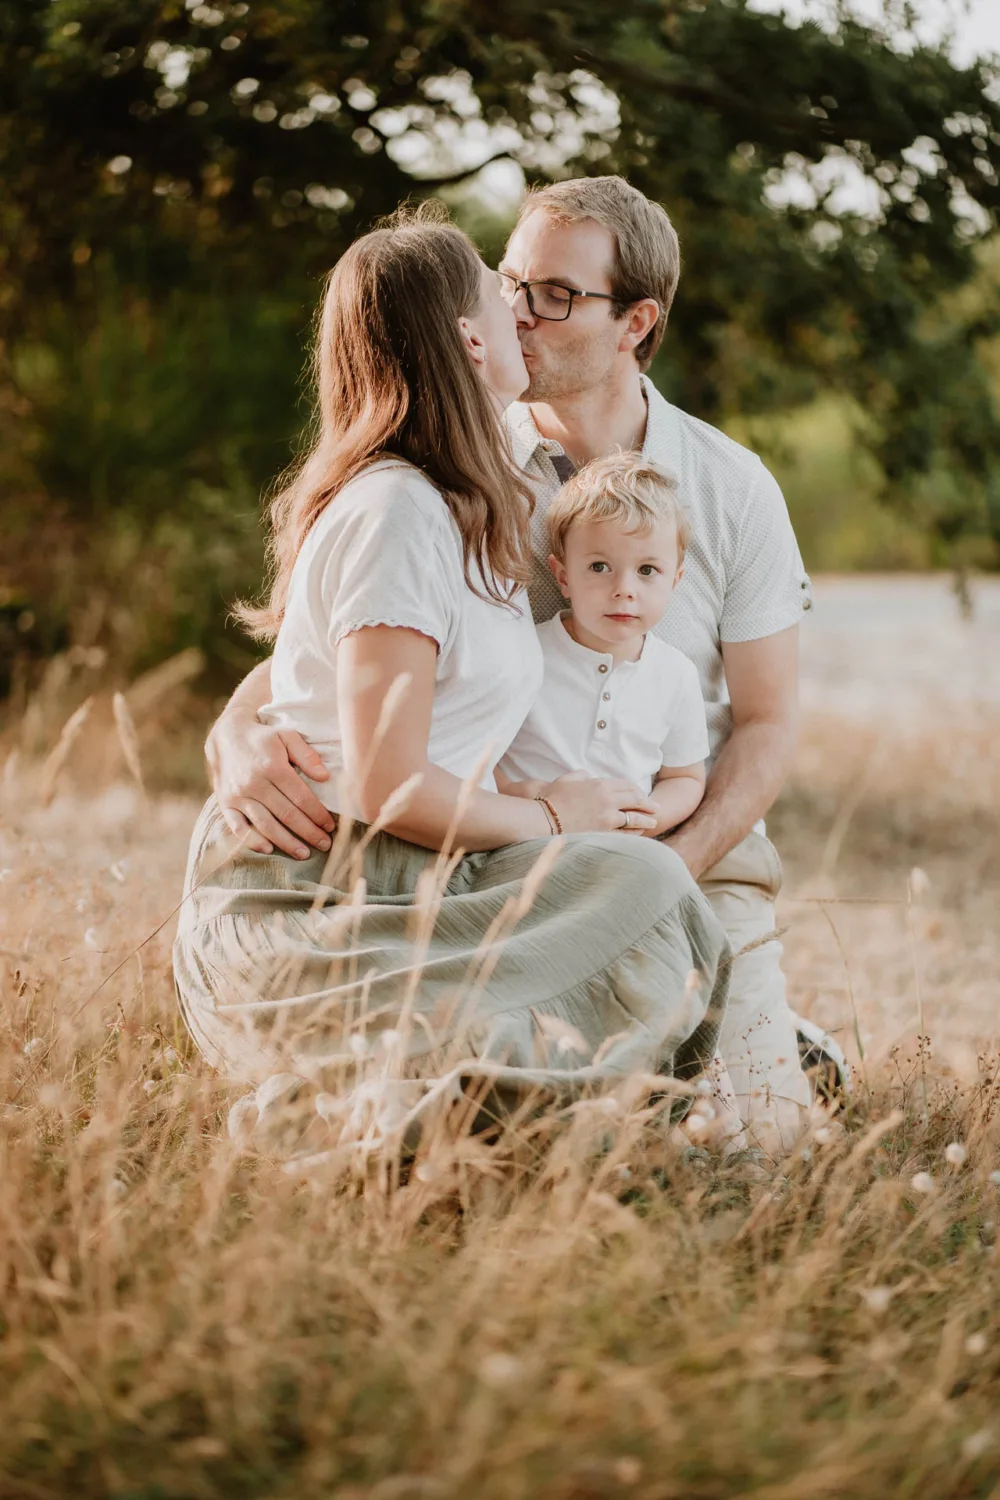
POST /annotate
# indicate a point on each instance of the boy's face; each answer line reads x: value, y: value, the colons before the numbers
x: 618, y: 582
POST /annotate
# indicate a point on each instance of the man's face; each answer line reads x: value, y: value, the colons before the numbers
x: 568, y: 358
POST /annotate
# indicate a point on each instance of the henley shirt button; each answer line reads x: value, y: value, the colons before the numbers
x: 602, y: 724
x: 603, y: 667
x: 606, y: 697
x: 807, y: 604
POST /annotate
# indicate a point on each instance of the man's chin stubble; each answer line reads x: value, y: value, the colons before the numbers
x: 574, y: 378
x: 542, y: 387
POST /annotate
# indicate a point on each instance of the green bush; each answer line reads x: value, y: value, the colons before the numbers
x: 151, y: 430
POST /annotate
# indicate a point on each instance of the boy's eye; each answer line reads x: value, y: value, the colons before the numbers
x: 648, y: 569
x: 598, y: 567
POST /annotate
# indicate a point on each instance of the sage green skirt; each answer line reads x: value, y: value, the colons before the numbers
x: 558, y: 966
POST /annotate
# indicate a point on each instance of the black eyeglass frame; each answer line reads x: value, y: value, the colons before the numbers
x: 572, y: 292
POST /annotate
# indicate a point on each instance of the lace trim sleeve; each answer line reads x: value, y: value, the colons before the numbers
x: 394, y: 622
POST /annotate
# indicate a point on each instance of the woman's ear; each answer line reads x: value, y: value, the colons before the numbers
x: 558, y: 569
x: 474, y: 346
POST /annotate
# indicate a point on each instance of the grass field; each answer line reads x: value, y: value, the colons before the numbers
x: 574, y: 1316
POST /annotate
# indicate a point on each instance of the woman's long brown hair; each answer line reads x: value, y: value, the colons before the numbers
x: 393, y: 378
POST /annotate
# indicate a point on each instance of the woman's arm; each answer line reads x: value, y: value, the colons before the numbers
x: 677, y: 793
x: 385, y: 730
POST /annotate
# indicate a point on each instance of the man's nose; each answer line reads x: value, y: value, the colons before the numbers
x: 522, y: 311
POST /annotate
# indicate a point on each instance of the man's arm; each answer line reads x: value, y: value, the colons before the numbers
x: 751, y: 769
x: 255, y: 780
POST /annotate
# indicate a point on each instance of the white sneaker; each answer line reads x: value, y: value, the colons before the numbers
x: 823, y: 1060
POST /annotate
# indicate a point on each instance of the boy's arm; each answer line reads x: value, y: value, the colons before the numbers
x: 508, y: 788
x: 678, y: 791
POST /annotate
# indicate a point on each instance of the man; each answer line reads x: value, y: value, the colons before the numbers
x: 590, y: 272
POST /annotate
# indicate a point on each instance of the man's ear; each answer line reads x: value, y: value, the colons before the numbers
x: 558, y: 568
x: 474, y: 346
x: 642, y: 320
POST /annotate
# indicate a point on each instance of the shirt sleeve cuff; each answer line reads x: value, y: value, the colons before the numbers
x: 687, y: 755
x: 340, y: 628
x: 770, y: 624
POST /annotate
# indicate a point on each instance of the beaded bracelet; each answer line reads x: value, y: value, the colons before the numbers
x: 551, y: 814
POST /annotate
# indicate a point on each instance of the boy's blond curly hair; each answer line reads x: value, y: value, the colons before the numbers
x: 624, y: 487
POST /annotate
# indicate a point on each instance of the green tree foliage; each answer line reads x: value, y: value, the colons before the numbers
x: 174, y: 179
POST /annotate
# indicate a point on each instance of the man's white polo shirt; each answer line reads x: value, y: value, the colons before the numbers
x: 743, y: 575
x: 606, y: 720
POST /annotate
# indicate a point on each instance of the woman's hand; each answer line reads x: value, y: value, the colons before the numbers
x: 600, y: 805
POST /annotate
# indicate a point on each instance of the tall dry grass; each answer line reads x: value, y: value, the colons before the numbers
x: 584, y: 1311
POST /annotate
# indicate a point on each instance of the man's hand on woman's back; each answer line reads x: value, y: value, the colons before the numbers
x: 255, y: 777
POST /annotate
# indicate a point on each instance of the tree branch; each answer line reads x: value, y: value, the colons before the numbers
x: 461, y: 175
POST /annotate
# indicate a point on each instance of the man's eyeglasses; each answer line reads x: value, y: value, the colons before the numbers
x: 546, y: 299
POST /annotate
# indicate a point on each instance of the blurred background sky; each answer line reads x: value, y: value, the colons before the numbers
x: 974, y: 25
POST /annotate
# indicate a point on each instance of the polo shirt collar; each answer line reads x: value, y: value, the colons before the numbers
x: 661, y: 442
x: 663, y: 428
x: 522, y: 430
x: 585, y: 656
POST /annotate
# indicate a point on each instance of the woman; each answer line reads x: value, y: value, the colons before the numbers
x: 406, y: 655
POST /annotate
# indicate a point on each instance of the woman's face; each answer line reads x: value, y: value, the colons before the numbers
x: 490, y: 335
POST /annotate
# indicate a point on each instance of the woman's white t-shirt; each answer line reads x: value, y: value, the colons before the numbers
x: 386, y: 551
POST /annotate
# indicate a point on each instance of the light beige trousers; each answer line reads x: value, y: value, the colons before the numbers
x: 757, y: 1041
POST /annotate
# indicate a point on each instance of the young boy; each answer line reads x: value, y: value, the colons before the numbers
x: 616, y: 700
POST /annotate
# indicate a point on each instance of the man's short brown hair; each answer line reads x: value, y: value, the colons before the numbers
x: 647, y: 261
